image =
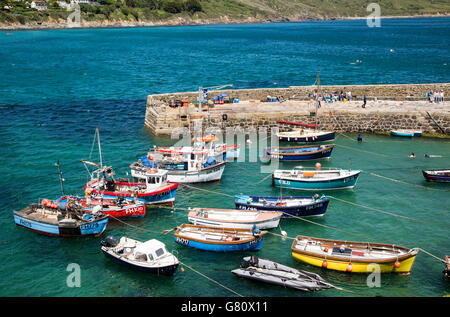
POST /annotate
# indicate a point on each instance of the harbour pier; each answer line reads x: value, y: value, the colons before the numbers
x: 399, y: 106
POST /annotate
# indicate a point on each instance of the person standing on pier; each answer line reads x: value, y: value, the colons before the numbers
x: 365, y: 101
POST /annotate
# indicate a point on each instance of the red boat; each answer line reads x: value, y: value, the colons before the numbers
x: 115, y: 207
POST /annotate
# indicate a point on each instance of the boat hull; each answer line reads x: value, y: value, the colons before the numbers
x: 253, y: 245
x: 314, y: 153
x: 94, y: 228
x: 357, y: 267
x: 402, y: 134
x: 309, y: 139
x: 160, y: 196
x: 317, y: 208
x: 436, y: 177
x: 210, y: 174
x: 164, y: 270
x: 268, y: 224
x: 341, y: 183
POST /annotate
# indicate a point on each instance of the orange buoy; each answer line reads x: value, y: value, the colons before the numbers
x: 150, y: 158
x: 349, y: 267
x: 324, y: 263
x: 326, y: 249
x: 318, y: 166
x: 45, y: 202
x: 182, y: 269
x: 397, y: 264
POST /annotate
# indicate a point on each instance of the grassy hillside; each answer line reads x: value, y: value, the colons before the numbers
x: 14, y: 12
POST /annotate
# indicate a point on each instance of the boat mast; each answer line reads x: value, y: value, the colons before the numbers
x: 318, y: 93
x: 99, y: 147
x: 60, y: 178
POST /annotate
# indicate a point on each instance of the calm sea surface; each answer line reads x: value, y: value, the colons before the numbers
x: 57, y: 86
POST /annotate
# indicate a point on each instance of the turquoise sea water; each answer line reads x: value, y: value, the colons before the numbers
x: 57, y: 86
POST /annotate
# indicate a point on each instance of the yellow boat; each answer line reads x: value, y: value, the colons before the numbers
x: 354, y: 257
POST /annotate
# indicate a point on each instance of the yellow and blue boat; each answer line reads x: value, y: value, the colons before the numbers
x: 353, y: 257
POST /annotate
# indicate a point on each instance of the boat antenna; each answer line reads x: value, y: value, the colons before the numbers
x: 61, y: 180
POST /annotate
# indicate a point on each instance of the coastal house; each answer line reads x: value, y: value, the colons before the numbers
x: 39, y: 5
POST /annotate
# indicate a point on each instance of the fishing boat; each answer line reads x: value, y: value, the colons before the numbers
x: 306, y: 136
x: 289, y: 206
x: 150, y: 186
x: 300, y: 153
x: 267, y: 271
x: 234, y: 218
x: 441, y: 176
x: 307, y: 125
x: 114, y: 207
x: 406, y: 133
x: 355, y: 257
x: 219, y: 239
x: 46, y: 217
x: 150, y: 256
x: 203, y: 162
x: 307, y: 179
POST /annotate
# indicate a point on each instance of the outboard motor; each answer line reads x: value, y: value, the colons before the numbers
x: 109, y: 242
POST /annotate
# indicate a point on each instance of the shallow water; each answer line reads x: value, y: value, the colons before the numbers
x: 57, y: 86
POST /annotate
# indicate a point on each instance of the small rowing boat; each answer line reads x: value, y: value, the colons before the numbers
x: 150, y: 256
x: 355, y: 257
x: 440, y: 176
x: 307, y: 179
x: 219, y: 239
x: 406, y: 133
x: 447, y: 266
x: 295, y: 206
x: 49, y: 219
x: 306, y: 136
x: 300, y: 153
x: 234, y: 218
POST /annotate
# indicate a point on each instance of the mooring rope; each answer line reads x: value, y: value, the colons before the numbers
x: 352, y: 148
x: 209, y: 191
x: 399, y: 181
x: 437, y: 258
x: 212, y: 280
x: 375, y: 209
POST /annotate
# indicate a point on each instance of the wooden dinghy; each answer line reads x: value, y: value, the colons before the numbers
x: 219, y: 239
x: 296, y: 206
x: 355, y: 257
x: 440, y: 176
x: 271, y: 272
x: 150, y: 256
x: 234, y: 218
x: 300, y: 153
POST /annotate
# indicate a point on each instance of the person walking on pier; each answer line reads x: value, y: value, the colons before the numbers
x: 365, y: 101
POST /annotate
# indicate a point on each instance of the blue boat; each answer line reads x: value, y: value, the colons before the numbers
x: 315, y: 179
x: 406, y: 133
x: 219, y: 239
x: 300, y: 153
x: 295, y: 206
x: 306, y: 136
x: 439, y: 176
x: 48, y: 219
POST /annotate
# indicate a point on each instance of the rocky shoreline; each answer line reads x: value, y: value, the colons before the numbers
x: 180, y: 21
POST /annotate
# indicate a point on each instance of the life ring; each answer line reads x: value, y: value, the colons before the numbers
x: 225, y: 117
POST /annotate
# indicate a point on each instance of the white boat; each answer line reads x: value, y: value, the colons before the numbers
x: 197, y: 164
x: 149, y: 256
x: 307, y: 179
x: 235, y: 218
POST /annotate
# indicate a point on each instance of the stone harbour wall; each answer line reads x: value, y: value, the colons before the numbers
x: 161, y: 119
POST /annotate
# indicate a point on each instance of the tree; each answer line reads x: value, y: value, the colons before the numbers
x: 193, y: 6
x: 173, y: 6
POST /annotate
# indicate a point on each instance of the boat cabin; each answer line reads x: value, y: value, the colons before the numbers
x: 150, y: 251
x: 151, y: 177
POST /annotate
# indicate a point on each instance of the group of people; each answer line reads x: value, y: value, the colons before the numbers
x: 435, y: 96
x: 332, y: 97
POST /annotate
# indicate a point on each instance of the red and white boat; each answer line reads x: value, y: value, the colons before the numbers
x: 116, y: 208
